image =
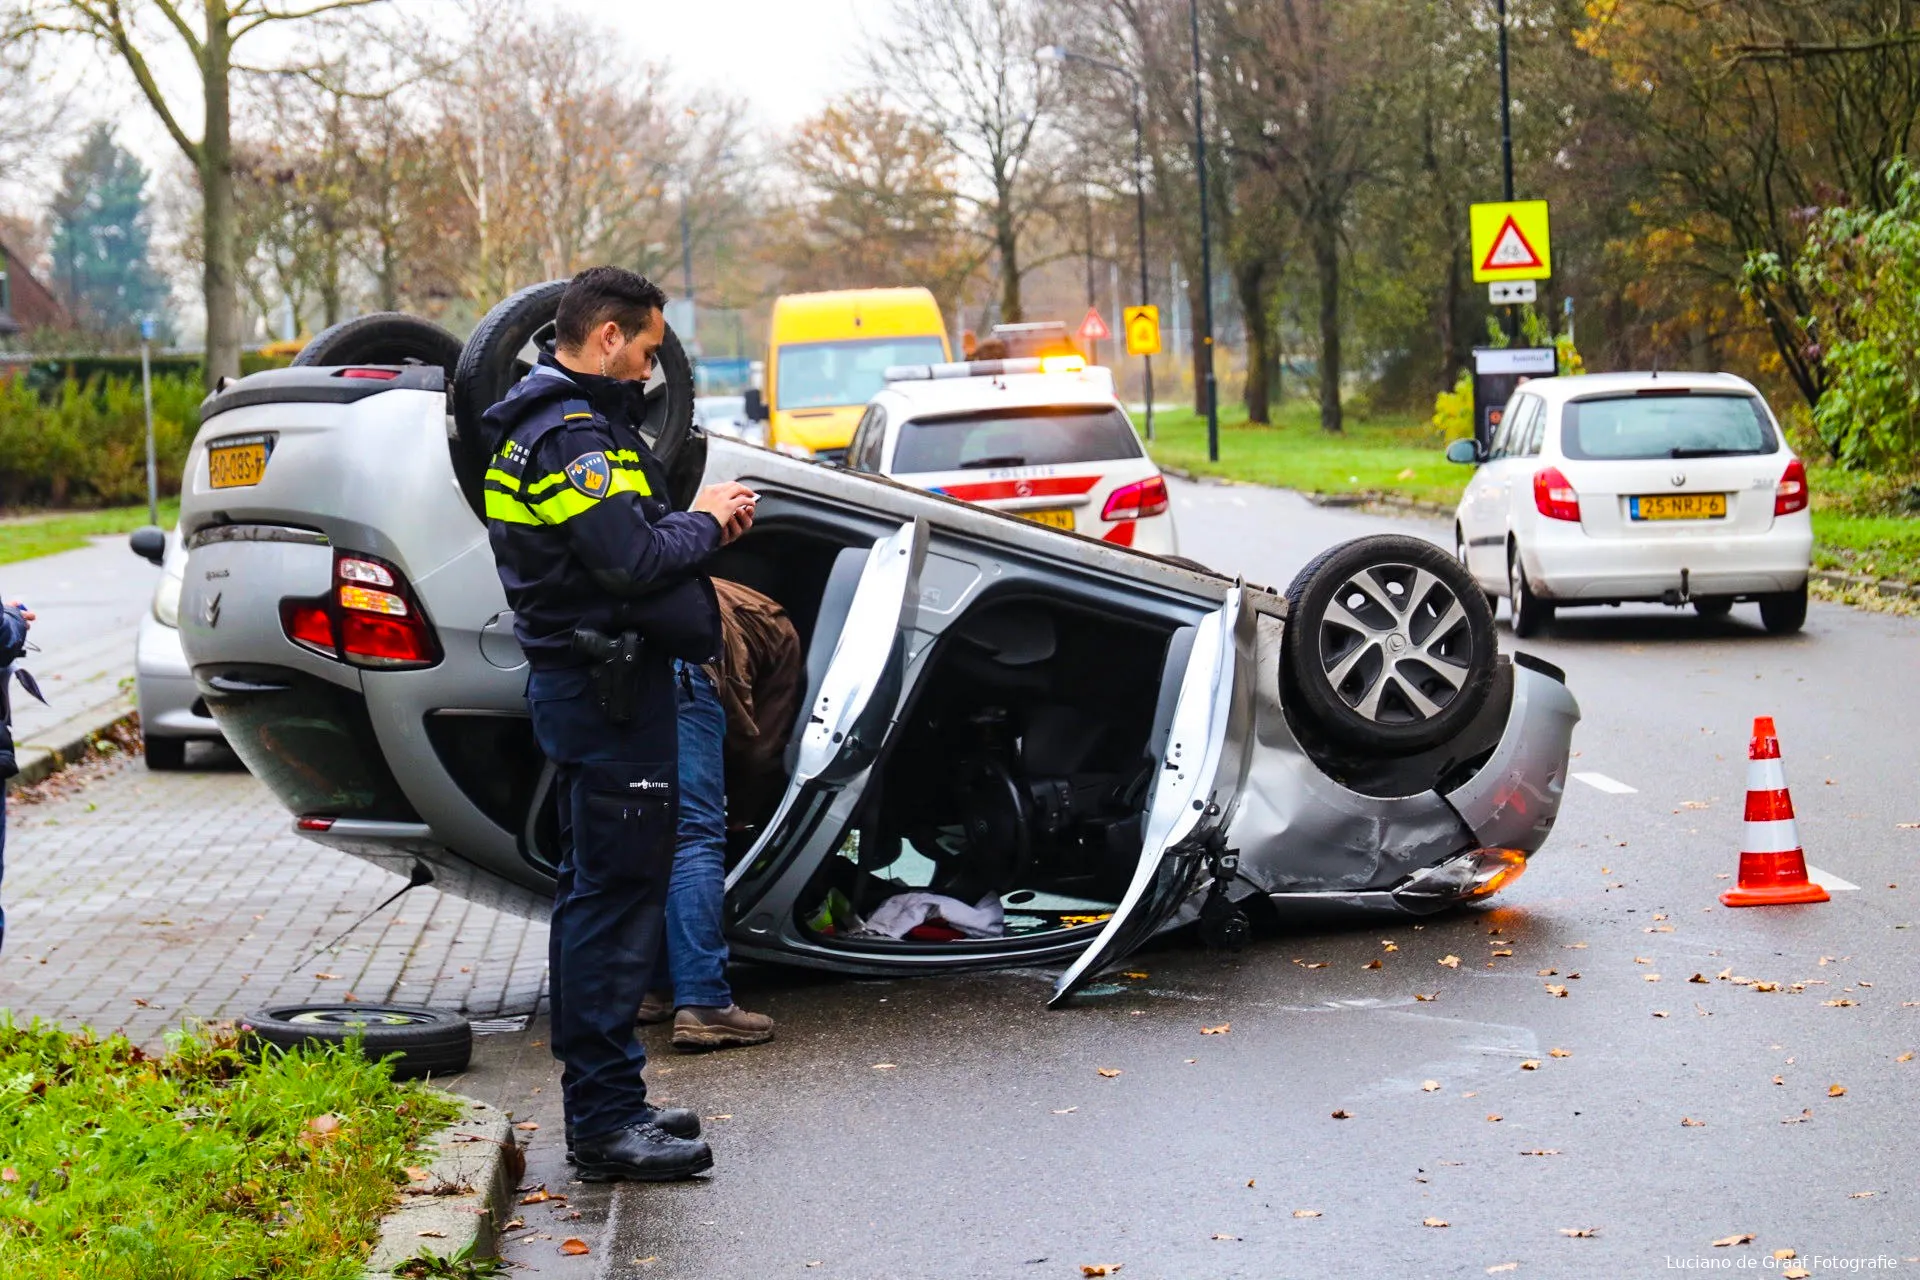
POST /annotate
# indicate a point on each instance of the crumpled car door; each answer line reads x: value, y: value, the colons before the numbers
x: 1191, y: 800
x: 848, y: 720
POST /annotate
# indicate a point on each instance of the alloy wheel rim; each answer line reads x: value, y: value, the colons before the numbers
x: 347, y: 1016
x: 1395, y: 644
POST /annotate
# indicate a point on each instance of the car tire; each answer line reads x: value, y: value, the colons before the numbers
x: 428, y: 1041
x: 1713, y: 606
x: 164, y: 755
x: 1343, y: 619
x: 1784, y: 612
x: 385, y: 337
x: 491, y: 363
x: 1531, y: 614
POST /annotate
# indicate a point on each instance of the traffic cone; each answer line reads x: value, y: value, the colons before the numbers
x: 1773, y: 870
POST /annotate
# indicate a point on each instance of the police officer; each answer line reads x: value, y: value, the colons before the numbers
x: 603, y: 579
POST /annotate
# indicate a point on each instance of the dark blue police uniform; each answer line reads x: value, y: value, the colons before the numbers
x: 585, y: 539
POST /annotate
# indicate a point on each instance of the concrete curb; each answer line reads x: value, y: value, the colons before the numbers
x: 67, y: 743
x: 1881, y: 586
x: 463, y: 1199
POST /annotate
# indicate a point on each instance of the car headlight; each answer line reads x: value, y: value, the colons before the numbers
x: 166, y: 600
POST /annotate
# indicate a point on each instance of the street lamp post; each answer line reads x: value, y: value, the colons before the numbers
x: 1206, y: 244
x: 1061, y: 54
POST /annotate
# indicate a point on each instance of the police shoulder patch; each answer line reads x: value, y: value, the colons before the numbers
x: 590, y: 474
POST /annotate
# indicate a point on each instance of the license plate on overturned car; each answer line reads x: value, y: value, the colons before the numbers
x: 1679, y: 506
x: 233, y: 464
x: 1053, y: 518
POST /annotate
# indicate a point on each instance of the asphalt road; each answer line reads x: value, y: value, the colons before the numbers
x: 954, y: 1127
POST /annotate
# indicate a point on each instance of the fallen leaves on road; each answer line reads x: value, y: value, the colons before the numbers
x: 538, y: 1195
x: 1492, y: 1118
x: 574, y: 1246
x: 1504, y: 1266
x: 431, y: 1233
x: 1745, y: 1237
x: 1220, y: 1030
x: 1100, y: 1268
x: 1805, y: 1115
x: 1306, y: 1213
x: 1796, y: 1273
x: 723, y: 1115
x: 1435, y: 1222
x: 1842, y: 1003
x: 1135, y: 973
x: 1556, y: 989
x: 888, y: 1066
x: 1343, y: 1115
x: 1559, y: 1053
x: 327, y: 977
x: 1371, y: 964
x: 1573, y: 946
x: 1661, y: 1013
x: 1650, y: 977
x: 1579, y: 1233
x: 1426, y: 999
x: 1389, y: 944
x: 1688, y: 1122
x: 1698, y: 977
x: 1779, y: 1080
x: 1451, y: 962
x: 1066, y: 1111
x: 527, y: 1126
x: 1836, y: 1091
x: 1430, y: 1086
x: 1905, y: 1057
x: 1531, y: 1064
x: 1504, y: 951
x: 1542, y: 1151
x: 1108, y: 1072
x: 1859, y: 1195
x: 416, y: 1174
x: 1781, y: 1255
x: 1221, y: 1235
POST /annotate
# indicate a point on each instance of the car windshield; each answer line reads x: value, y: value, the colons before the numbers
x: 1040, y: 436
x: 815, y: 375
x: 1668, y: 425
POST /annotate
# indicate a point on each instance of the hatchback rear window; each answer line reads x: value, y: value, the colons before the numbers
x: 1691, y: 425
x: 1014, y: 438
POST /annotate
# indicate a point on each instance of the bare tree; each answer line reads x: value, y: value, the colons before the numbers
x: 964, y: 69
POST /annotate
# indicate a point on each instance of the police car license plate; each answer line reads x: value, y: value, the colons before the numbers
x: 1680, y: 506
x: 1054, y: 518
x: 236, y: 464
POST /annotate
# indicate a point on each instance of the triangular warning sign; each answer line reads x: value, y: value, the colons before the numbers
x: 1510, y: 250
x: 1093, y: 328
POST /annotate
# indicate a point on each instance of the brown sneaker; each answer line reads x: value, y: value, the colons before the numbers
x: 655, y: 1007
x: 696, y: 1029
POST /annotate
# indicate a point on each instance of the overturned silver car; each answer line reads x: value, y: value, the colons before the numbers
x: 1089, y: 744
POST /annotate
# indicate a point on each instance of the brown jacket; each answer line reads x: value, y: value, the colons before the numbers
x: 760, y: 677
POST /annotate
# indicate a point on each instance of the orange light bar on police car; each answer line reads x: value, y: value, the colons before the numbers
x: 1062, y: 364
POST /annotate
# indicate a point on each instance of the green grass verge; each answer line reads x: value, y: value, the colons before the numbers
x: 1390, y: 453
x: 1862, y: 522
x: 29, y: 536
x: 201, y: 1165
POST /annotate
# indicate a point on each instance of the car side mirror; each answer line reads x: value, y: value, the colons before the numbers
x: 149, y: 542
x: 1469, y: 451
x: 756, y: 406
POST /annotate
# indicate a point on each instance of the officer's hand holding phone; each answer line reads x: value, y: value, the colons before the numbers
x: 731, y: 506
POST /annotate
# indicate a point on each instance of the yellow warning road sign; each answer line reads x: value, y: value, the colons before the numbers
x: 1511, y: 241
x: 1143, y: 331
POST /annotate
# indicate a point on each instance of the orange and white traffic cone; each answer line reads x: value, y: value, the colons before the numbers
x: 1773, y: 869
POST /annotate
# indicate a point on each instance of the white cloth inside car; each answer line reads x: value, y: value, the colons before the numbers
x: 903, y: 912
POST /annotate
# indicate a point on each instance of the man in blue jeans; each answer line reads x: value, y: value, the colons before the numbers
x: 13, y: 642
x: 699, y: 1000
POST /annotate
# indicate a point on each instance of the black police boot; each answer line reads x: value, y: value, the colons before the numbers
x: 640, y: 1153
x: 681, y: 1122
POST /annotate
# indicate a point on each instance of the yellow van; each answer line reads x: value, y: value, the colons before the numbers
x: 828, y: 354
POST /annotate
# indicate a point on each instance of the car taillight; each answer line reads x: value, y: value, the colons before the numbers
x: 1791, y: 495
x: 1136, y: 501
x: 311, y: 823
x: 360, y: 623
x: 1554, y: 497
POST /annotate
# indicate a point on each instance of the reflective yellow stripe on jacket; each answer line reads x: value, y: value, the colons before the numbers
x: 513, y: 504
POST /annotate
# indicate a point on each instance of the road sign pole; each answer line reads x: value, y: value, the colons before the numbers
x: 146, y: 391
x: 1140, y: 215
x: 1506, y: 146
x: 1206, y: 244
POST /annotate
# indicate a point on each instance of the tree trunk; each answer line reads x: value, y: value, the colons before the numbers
x: 1250, y: 282
x: 1006, y: 241
x: 217, y: 229
x: 1453, y: 355
x: 1326, y: 264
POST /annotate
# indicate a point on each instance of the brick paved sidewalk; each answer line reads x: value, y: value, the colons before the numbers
x: 145, y: 899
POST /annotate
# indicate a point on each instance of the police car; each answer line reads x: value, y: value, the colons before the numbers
x: 1081, y: 745
x: 1043, y: 439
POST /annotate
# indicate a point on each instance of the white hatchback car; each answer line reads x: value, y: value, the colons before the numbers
x: 1043, y: 439
x: 1677, y: 488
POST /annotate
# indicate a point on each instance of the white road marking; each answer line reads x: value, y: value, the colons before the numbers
x: 1829, y: 881
x: 1601, y: 782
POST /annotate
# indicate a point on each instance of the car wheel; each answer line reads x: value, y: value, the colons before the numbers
x: 1713, y: 606
x: 492, y: 362
x: 1785, y: 612
x: 165, y: 755
x: 385, y: 337
x: 1531, y: 614
x: 1389, y: 645
x: 426, y: 1040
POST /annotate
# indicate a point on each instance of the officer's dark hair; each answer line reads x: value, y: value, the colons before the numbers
x: 600, y: 294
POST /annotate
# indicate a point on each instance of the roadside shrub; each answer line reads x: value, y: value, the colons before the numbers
x: 1453, y: 410
x: 85, y: 445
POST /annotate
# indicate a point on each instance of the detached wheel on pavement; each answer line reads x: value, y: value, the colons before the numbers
x: 1389, y: 646
x: 1531, y: 614
x: 428, y: 1041
x: 1785, y: 612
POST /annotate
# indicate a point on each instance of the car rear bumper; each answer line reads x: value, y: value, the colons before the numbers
x: 1566, y: 564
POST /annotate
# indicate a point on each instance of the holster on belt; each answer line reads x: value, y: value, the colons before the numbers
x: 615, y: 671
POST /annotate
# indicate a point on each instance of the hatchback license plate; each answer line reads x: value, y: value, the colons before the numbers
x: 1054, y: 518
x: 234, y: 466
x: 1680, y: 506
